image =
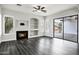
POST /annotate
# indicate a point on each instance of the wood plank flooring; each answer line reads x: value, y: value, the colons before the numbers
x: 39, y: 46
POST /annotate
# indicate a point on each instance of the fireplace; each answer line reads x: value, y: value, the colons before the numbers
x: 21, y: 35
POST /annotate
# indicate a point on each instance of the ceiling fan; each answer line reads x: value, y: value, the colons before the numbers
x: 39, y: 8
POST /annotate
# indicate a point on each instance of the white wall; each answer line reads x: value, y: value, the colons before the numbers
x: 49, y: 26
x: 49, y: 19
x: 18, y: 16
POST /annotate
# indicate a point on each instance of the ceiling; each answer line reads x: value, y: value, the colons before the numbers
x: 28, y: 8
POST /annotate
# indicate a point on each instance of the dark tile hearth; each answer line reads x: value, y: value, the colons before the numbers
x: 39, y: 46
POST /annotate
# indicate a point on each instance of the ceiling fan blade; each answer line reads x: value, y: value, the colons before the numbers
x: 42, y: 7
x: 39, y: 7
x: 35, y: 8
x: 19, y: 4
x: 44, y: 11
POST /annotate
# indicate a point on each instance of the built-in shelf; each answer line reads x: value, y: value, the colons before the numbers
x: 34, y: 27
x: 33, y: 33
x: 34, y: 23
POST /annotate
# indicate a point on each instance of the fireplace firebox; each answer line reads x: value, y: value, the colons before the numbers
x: 21, y: 35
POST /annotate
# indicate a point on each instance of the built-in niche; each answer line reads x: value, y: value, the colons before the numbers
x: 33, y: 32
x: 34, y: 28
x: 34, y: 23
x: 8, y: 24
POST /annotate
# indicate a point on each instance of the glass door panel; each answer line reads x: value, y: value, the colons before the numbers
x: 70, y: 28
x: 58, y: 28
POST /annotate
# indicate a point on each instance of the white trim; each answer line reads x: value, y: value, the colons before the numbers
x: 8, y: 40
x: 34, y: 29
x: 30, y: 29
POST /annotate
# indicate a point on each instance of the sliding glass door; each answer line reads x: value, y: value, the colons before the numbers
x: 70, y: 28
x: 66, y: 28
x: 58, y: 28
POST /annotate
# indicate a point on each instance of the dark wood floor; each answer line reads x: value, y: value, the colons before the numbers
x: 39, y: 46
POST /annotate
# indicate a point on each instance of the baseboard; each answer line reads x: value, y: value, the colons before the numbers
x: 35, y: 37
x: 40, y: 36
x: 47, y: 36
x: 4, y: 40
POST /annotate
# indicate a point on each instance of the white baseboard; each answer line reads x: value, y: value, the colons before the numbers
x: 8, y: 40
x: 35, y: 36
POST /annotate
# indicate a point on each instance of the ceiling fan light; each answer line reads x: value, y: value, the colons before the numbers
x: 39, y: 11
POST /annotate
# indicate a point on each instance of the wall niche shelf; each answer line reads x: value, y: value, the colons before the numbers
x: 34, y: 27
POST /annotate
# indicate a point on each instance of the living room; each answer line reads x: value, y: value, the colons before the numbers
x: 36, y: 29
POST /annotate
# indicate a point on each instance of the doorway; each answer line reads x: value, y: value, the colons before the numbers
x: 66, y: 28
